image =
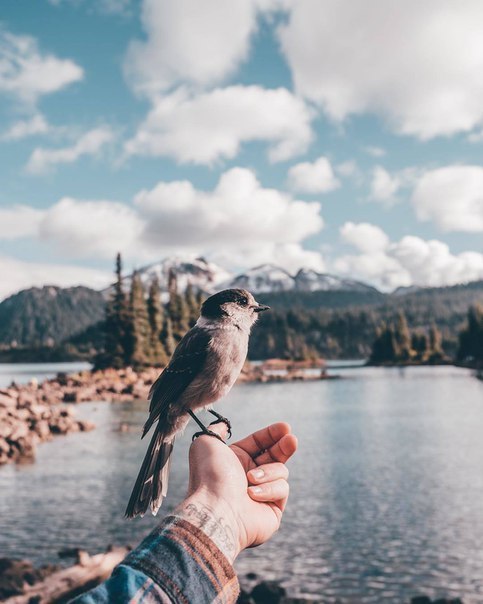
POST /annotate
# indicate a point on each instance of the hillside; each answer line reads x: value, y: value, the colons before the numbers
x: 48, y: 315
x: 333, y: 317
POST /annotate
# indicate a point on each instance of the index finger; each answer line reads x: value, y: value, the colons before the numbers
x: 263, y: 439
x: 281, y: 451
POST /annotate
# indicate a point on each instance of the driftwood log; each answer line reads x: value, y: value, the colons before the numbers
x: 67, y: 583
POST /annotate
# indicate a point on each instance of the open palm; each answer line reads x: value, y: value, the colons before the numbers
x: 249, y: 478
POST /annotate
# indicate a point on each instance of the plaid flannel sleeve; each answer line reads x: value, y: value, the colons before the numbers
x: 176, y: 564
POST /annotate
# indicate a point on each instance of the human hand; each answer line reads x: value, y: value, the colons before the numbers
x: 237, y: 494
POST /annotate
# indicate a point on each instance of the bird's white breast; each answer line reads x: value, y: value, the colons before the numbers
x: 226, y: 354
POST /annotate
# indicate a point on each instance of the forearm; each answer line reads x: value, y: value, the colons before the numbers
x: 177, y: 562
x: 215, y: 519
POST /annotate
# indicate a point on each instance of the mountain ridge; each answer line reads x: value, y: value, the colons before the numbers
x: 52, y: 315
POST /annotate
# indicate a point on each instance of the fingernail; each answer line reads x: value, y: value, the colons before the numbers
x: 258, y: 473
x: 256, y: 490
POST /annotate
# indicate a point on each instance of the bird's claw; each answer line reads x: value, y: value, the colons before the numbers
x: 225, y: 421
x: 207, y: 433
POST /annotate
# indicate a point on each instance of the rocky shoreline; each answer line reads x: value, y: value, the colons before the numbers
x: 27, y: 419
x: 35, y: 412
x: 22, y: 583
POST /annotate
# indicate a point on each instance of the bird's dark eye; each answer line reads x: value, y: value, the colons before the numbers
x: 244, y: 301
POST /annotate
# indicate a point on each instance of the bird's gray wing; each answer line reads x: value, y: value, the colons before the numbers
x: 186, y: 363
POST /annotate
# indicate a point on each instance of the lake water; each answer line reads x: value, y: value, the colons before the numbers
x: 22, y: 373
x: 386, y: 488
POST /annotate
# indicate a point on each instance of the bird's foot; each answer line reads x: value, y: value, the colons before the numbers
x: 220, y: 419
x: 207, y: 433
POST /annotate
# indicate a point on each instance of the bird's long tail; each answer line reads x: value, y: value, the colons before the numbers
x: 152, y: 482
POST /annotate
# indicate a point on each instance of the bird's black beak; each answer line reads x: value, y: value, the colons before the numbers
x: 261, y: 308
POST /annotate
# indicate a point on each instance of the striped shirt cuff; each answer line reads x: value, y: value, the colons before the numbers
x: 186, y: 563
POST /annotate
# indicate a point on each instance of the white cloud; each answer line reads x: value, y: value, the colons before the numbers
x: 416, y: 64
x: 42, y: 160
x: 19, y: 221
x: 410, y: 261
x: 290, y: 256
x: 384, y: 186
x: 92, y: 229
x: 188, y: 41
x: 451, y: 197
x: 37, y: 124
x: 240, y: 217
x: 238, y: 213
x: 364, y: 236
x: 27, y: 74
x: 17, y: 275
x: 213, y: 125
x: 316, y: 177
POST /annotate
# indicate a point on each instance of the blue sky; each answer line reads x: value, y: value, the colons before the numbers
x: 341, y: 136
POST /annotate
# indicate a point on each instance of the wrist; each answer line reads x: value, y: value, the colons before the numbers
x: 215, y: 518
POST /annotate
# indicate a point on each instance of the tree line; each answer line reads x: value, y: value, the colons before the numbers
x: 470, y: 351
x: 139, y: 329
x: 395, y: 343
x: 142, y: 329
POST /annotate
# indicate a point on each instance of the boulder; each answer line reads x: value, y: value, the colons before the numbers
x: 268, y: 592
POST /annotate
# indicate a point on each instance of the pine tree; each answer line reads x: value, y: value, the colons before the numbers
x: 140, y: 332
x: 384, y: 348
x: 419, y: 344
x: 168, y: 339
x: 115, y: 325
x: 193, y: 308
x: 157, y: 353
x: 177, y: 308
x: 435, y: 344
x: 402, y: 338
x: 471, y: 338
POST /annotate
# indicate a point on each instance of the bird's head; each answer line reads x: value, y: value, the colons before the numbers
x: 235, y: 305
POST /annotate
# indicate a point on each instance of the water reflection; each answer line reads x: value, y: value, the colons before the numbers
x: 386, y: 488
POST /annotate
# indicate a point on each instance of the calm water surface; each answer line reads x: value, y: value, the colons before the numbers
x: 387, y: 486
x: 23, y: 372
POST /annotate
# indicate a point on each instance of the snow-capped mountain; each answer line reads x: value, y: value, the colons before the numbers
x: 308, y: 280
x: 269, y: 278
x: 198, y: 272
x: 266, y: 278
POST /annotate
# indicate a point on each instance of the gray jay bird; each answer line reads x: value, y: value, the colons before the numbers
x: 203, y: 368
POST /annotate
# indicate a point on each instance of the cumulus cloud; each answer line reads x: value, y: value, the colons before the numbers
x: 92, y: 229
x: 19, y: 221
x: 290, y: 256
x: 43, y: 160
x: 364, y: 236
x: 316, y: 177
x: 207, y: 127
x: 37, y: 124
x: 239, y: 216
x: 17, y: 275
x: 199, y: 43
x: 410, y: 261
x: 238, y: 212
x: 408, y: 62
x: 27, y: 74
x: 451, y: 197
x: 384, y: 186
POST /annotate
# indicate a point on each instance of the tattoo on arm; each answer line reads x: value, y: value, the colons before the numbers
x: 216, y: 527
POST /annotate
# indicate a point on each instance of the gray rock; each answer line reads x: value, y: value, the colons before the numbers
x: 268, y: 592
